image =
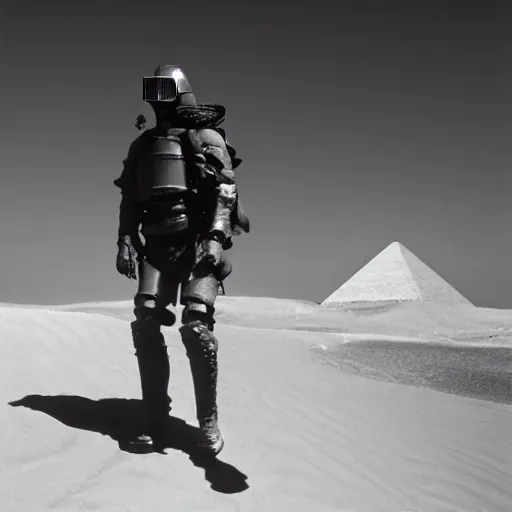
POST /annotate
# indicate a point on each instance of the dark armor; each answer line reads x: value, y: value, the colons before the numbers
x: 165, y: 163
x: 178, y: 191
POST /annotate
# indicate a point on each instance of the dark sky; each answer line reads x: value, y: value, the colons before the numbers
x: 360, y: 123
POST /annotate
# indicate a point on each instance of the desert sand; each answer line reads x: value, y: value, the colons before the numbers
x: 388, y: 407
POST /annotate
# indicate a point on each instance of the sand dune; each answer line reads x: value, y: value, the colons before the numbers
x: 303, y: 431
x: 413, y: 320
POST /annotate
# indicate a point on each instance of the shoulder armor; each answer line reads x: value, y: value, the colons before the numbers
x: 215, y: 139
x: 212, y: 137
x: 235, y: 161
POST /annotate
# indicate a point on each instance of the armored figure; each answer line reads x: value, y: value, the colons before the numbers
x: 178, y: 214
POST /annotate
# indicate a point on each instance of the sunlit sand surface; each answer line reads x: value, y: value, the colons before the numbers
x: 382, y: 407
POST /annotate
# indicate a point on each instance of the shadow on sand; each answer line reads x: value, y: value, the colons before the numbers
x: 121, y: 419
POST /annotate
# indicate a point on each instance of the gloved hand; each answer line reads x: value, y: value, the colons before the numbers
x: 126, y: 262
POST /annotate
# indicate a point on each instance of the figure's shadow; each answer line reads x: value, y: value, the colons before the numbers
x: 122, y: 420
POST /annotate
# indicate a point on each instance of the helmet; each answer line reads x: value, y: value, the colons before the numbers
x: 168, y: 87
x: 168, y: 91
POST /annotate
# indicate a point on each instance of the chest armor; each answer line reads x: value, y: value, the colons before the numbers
x: 164, y: 184
x: 162, y: 168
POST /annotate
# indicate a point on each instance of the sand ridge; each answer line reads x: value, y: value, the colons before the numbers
x: 301, y: 434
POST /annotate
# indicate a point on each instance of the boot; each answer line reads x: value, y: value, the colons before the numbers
x: 154, y: 371
x: 201, y: 346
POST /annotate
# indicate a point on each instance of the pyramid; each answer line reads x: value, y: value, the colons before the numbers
x: 395, y: 275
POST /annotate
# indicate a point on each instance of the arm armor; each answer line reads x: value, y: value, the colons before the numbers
x: 218, y: 163
x: 221, y: 227
x: 130, y: 209
x: 130, y: 213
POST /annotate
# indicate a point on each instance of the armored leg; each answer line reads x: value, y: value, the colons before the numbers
x: 153, y: 361
x: 202, y: 346
x: 154, y: 371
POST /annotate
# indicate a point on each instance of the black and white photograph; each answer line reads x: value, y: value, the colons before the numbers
x: 256, y: 256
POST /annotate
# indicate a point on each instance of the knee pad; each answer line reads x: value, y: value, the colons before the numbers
x: 148, y: 307
x: 147, y: 338
x: 198, y: 312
